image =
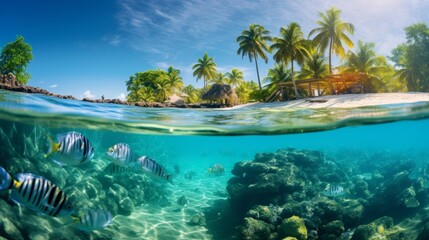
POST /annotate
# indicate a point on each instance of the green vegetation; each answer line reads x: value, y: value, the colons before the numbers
x: 332, y: 33
x: 413, y: 59
x: 253, y: 43
x: 291, y: 46
x: 205, y: 68
x: 409, y: 73
x: 15, y: 57
x: 154, y: 85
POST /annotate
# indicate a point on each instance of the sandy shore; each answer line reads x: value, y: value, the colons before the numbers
x: 346, y: 101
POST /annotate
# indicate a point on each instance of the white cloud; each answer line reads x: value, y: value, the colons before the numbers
x: 114, y: 40
x: 88, y: 94
x: 54, y: 86
x: 122, y: 97
x: 162, y: 65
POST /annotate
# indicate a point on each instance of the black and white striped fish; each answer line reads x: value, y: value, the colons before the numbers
x: 333, y: 191
x: 36, y: 193
x: 93, y: 220
x: 113, y: 169
x: 151, y: 167
x: 72, y: 148
x: 121, y: 154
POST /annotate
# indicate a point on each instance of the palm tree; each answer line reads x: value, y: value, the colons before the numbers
x: 365, y: 60
x: 291, y: 46
x: 163, y: 90
x: 220, y: 78
x: 278, y: 74
x: 205, y: 68
x: 253, y: 43
x: 332, y: 32
x: 314, y: 67
x: 235, y: 77
x: 174, y: 79
x: 145, y: 94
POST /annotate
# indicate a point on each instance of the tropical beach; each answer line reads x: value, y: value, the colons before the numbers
x: 216, y: 120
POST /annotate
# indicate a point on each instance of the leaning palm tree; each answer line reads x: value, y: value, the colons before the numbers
x: 235, y: 77
x: 291, y: 46
x: 253, y: 43
x: 332, y: 32
x: 174, y: 79
x: 205, y: 68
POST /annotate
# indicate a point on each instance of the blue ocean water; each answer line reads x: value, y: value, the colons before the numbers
x: 359, y: 141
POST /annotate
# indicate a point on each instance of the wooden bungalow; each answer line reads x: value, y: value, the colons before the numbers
x: 333, y: 84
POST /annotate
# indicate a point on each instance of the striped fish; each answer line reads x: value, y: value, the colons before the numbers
x: 93, y: 220
x: 151, y: 167
x: 72, y: 148
x: 333, y: 191
x: 113, y: 169
x: 121, y: 154
x: 216, y: 169
x: 36, y: 193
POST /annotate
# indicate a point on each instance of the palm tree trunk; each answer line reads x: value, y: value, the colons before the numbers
x: 257, y: 73
x: 330, y: 63
x: 294, y: 83
x: 330, y: 55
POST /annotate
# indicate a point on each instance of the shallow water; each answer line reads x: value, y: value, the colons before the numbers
x: 195, y: 139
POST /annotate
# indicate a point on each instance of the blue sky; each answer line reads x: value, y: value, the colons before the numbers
x: 91, y: 47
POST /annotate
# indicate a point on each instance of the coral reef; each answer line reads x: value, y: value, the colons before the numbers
x: 275, y: 188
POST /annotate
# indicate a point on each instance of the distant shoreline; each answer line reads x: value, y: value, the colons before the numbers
x: 329, y: 101
x: 15, y: 87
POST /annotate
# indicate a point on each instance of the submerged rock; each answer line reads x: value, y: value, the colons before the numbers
x: 255, y: 229
x: 293, y: 227
x: 198, y: 220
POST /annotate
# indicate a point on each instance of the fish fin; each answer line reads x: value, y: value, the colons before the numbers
x: 53, y: 147
x: 16, y: 184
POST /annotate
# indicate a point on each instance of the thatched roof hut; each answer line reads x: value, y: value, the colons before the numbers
x: 222, y: 93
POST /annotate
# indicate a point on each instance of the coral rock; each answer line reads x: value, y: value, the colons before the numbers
x: 293, y: 227
x: 255, y: 229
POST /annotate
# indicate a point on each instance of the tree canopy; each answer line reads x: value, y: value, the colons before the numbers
x: 412, y: 57
x: 331, y: 34
x: 15, y: 57
x: 253, y: 43
x: 154, y: 85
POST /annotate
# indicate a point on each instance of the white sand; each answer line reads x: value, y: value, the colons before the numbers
x: 346, y: 101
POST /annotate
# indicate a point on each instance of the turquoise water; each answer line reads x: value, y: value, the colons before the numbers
x: 384, y: 142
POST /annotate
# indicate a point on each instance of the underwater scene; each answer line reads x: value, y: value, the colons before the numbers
x: 77, y: 170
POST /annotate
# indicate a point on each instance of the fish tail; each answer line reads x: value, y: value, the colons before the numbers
x: 169, y: 179
x: 53, y: 147
x: 6, y: 181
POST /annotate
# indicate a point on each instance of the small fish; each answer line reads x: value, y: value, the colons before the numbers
x: 93, y: 220
x: 121, y: 154
x: 150, y: 166
x: 333, y: 191
x: 36, y: 193
x: 72, y: 148
x: 216, y: 169
x: 182, y: 201
x: 113, y: 169
x: 190, y: 174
